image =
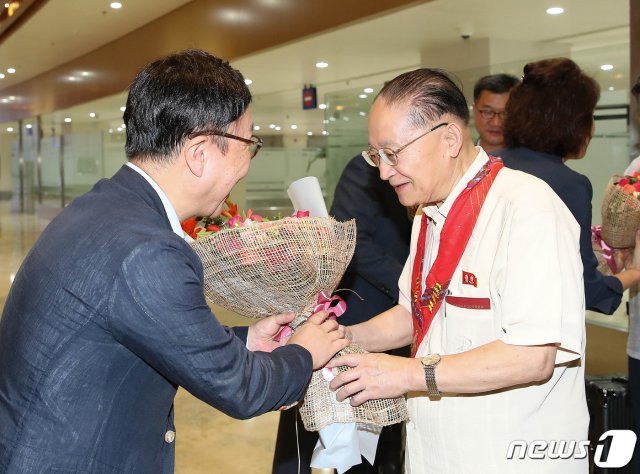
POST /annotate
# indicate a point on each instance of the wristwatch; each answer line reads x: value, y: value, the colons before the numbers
x: 429, y: 363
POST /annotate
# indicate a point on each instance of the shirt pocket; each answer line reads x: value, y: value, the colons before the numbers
x: 468, y: 323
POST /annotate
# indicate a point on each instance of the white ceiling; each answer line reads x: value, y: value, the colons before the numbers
x: 362, y: 54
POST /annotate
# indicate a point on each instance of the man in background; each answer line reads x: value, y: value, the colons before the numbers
x: 490, y: 96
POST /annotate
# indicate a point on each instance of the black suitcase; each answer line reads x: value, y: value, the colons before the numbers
x: 609, y: 409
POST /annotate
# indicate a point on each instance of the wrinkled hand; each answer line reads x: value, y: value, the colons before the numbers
x: 322, y: 337
x: 261, y: 334
x: 372, y: 376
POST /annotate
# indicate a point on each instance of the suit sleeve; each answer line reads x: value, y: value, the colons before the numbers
x: 158, y: 311
x: 358, y: 195
x: 603, y: 293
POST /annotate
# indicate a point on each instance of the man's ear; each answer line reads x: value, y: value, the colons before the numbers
x: 453, y: 137
x: 194, y: 152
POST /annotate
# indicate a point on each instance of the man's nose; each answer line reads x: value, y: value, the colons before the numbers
x: 386, y: 171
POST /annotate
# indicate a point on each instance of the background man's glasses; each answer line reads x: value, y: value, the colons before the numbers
x: 489, y: 114
x: 255, y: 143
x: 389, y: 156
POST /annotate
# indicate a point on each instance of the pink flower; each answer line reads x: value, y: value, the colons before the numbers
x: 623, y: 182
x: 628, y: 188
x: 301, y: 214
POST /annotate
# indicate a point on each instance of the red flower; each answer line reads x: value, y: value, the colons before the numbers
x: 189, y: 225
x: 623, y: 182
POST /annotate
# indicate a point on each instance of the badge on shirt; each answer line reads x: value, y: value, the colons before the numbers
x: 469, y: 278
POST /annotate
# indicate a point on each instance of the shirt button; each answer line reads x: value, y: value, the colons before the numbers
x: 170, y: 436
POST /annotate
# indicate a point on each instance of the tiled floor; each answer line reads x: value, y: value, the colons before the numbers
x: 207, y: 441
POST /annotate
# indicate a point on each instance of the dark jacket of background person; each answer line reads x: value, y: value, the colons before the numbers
x: 602, y: 293
x: 382, y: 247
x: 90, y: 362
x: 550, y: 119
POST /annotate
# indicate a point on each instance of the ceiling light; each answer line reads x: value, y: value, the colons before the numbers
x: 324, y: 132
x: 309, y: 133
x: 322, y: 106
x: 368, y: 90
x: 92, y: 114
x: 67, y: 119
x: 294, y: 127
x: 362, y: 114
x: 611, y: 88
x: 123, y: 108
x: 248, y: 82
x: 9, y: 129
x: 339, y: 107
x: 12, y: 97
x: 1, y: 76
x: 277, y: 129
x: 11, y: 70
x: 322, y: 65
x: 363, y: 96
x: 272, y: 125
x: 29, y: 126
x: 555, y: 10
x: 606, y: 67
x: 116, y: 5
x: 256, y: 127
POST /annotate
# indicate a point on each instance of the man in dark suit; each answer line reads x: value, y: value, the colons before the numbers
x: 382, y: 247
x: 107, y: 317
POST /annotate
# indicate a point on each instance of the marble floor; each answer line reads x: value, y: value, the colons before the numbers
x: 207, y: 441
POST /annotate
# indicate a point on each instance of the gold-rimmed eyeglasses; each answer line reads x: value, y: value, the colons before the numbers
x: 255, y: 143
x: 389, y: 156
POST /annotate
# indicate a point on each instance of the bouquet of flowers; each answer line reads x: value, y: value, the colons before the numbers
x: 621, y: 211
x: 258, y: 267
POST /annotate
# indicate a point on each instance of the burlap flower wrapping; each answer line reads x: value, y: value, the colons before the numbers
x: 620, y: 216
x: 281, y: 266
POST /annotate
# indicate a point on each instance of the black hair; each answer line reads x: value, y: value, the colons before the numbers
x: 182, y: 93
x: 496, y: 83
x: 431, y: 93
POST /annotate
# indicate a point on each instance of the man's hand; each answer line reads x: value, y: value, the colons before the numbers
x: 374, y: 376
x: 322, y: 337
x: 261, y: 334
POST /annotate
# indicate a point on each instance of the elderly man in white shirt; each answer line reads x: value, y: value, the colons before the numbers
x: 491, y: 298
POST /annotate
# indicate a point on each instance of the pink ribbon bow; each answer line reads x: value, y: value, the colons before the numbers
x: 607, y: 252
x: 335, y: 305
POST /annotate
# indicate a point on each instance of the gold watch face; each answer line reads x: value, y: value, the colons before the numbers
x: 431, y: 359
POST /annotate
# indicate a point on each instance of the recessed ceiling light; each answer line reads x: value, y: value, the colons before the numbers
x: 368, y: 90
x: 278, y: 129
x: 363, y: 96
x: 322, y: 65
x: 67, y: 119
x: 324, y: 132
x: 309, y: 133
x: 273, y: 125
x: 362, y: 114
x: 606, y: 67
x: 92, y: 114
x: 611, y: 88
x: 123, y: 108
x: 325, y: 121
x: 248, y: 82
x: 294, y: 127
x: 256, y: 127
x: 1, y: 76
x: 11, y: 70
x: 116, y: 5
x: 29, y: 125
x: 555, y: 10
x: 322, y: 106
x: 9, y: 129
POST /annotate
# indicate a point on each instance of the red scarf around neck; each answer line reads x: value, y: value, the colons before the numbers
x: 454, y: 237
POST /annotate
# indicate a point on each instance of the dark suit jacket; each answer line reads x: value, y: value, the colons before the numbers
x: 105, y: 319
x: 602, y: 293
x: 382, y: 246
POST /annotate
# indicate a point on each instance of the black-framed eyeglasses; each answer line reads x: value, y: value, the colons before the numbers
x: 389, y: 156
x: 489, y: 114
x: 255, y: 143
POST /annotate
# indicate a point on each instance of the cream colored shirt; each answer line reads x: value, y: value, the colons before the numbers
x: 523, y: 261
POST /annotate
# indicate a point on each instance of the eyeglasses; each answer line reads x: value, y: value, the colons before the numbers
x: 255, y: 143
x: 389, y: 156
x: 489, y: 114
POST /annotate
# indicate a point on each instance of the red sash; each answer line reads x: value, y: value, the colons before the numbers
x: 453, y: 241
